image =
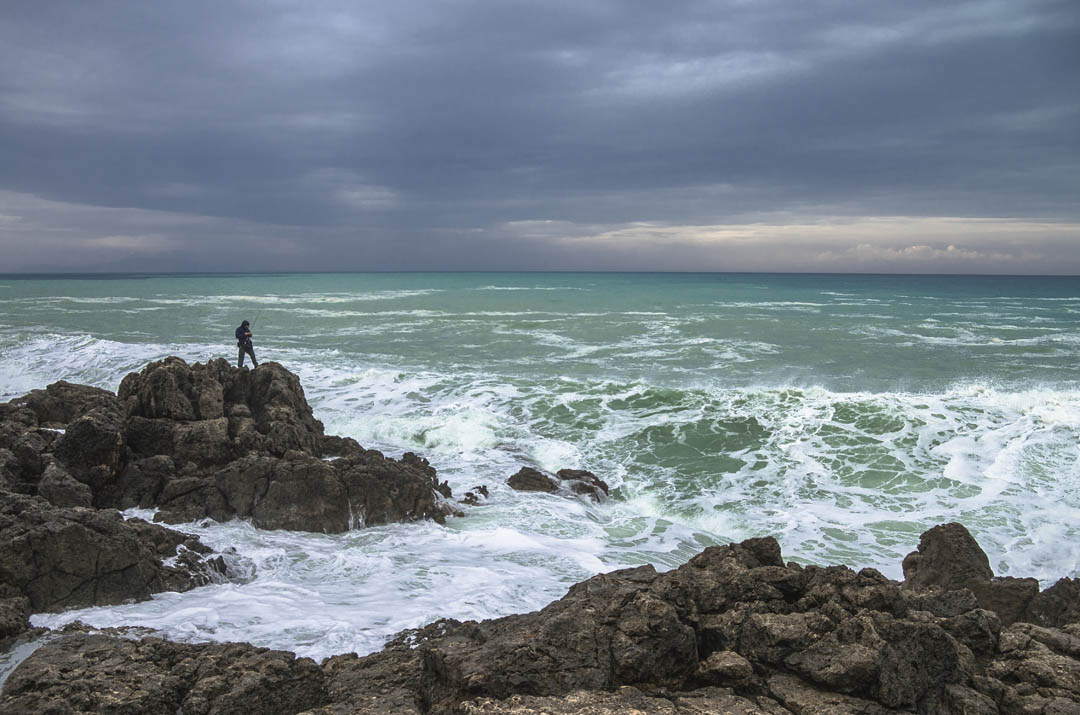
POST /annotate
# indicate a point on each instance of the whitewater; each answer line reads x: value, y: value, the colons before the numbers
x: 843, y: 415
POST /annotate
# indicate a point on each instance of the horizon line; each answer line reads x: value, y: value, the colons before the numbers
x: 68, y: 274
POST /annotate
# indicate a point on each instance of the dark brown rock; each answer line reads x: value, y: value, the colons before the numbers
x: 1040, y: 664
x: 569, y: 481
x: 63, y: 402
x: 96, y: 673
x: 950, y: 559
x: 978, y: 629
x: 624, y: 701
x: 947, y: 556
x: 141, y: 482
x: 304, y: 493
x: 252, y: 449
x: 1006, y: 596
x: 14, y: 617
x: 204, y: 441
x: 61, y: 489
x: 93, y: 447
x: 584, y: 482
x: 724, y: 668
x: 528, y: 479
x: 1057, y: 606
x: 777, y: 638
x: 799, y: 697
x: 214, y: 412
x: 478, y: 495
x: 70, y: 558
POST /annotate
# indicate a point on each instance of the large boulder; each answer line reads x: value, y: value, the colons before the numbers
x: 949, y: 558
x: 212, y: 412
x: 93, y: 447
x: 72, y: 558
x: 59, y: 488
x: 304, y: 493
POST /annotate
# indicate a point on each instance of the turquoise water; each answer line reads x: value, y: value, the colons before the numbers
x: 842, y: 414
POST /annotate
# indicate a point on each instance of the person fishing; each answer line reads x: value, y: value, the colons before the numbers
x: 243, y: 341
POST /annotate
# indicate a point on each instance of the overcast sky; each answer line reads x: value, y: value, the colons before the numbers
x: 732, y: 135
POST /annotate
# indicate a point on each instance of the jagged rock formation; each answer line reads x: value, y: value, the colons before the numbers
x: 733, y: 630
x: 949, y: 558
x: 207, y: 440
x: 58, y: 559
x: 194, y: 440
x: 84, y: 673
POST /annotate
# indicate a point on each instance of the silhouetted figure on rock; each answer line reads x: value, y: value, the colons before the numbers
x: 243, y: 342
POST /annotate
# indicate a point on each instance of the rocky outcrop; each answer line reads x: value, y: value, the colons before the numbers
x: 84, y: 673
x: 14, y: 619
x: 305, y: 493
x: 528, y: 479
x: 209, y: 413
x: 70, y: 558
x: 568, y: 481
x: 733, y: 630
x: 207, y: 440
x: 949, y: 558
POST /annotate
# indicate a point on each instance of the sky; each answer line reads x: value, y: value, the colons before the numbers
x: 728, y: 135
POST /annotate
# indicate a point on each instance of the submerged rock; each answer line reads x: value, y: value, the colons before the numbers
x: 568, y: 481
x: 582, y: 481
x: 528, y: 479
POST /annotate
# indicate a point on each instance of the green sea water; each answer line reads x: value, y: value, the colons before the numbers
x: 842, y: 414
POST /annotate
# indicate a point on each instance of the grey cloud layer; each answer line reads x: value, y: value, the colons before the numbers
x: 400, y: 134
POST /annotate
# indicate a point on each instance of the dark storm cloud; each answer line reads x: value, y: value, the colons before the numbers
x: 427, y: 134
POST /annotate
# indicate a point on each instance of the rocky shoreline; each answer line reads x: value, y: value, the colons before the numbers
x: 734, y: 630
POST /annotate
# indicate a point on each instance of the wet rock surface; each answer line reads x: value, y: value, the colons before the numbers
x: 61, y: 558
x: 207, y: 440
x: 85, y: 673
x: 566, y: 481
x: 195, y: 441
x: 734, y: 630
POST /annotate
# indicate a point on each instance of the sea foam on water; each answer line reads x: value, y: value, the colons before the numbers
x: 843, y: 416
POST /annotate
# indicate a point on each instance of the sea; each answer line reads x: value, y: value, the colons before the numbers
x: 842, y: 414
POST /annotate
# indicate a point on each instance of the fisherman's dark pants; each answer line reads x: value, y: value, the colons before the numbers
x: 246, y: 348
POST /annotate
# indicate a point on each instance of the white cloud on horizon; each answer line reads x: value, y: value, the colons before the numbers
x: 836, y: 243
x: 147, y: 243
x: 37, y: 233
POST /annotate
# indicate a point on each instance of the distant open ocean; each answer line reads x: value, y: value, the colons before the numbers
x: 842, y: 414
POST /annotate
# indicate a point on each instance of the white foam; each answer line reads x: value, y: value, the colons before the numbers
x: 708, y: 427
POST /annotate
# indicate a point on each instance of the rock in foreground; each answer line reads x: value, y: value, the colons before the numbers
x: 71, y: 558
x: 734, y: 630
x: 95, y: 674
